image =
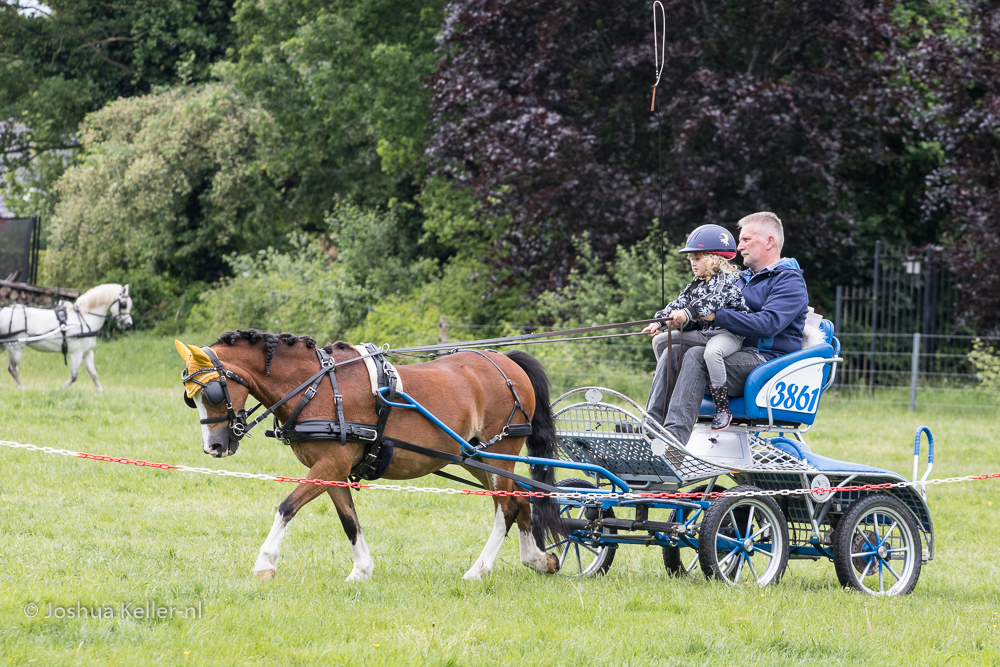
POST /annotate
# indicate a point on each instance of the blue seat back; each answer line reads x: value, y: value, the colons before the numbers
x: 792, y: 384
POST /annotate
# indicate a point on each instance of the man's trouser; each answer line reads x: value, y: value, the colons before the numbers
x: 691, y: 385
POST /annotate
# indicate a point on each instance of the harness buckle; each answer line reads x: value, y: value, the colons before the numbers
x: 338, y: 399
x: 310, y: 392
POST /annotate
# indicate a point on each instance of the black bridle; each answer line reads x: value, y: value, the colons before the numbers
x: 216, y: 392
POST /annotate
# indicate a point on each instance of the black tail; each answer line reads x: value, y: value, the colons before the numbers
x: 542, y: 444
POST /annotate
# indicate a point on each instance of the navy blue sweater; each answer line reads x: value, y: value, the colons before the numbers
x: 778, y: 302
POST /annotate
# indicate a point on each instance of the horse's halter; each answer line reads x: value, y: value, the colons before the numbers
x: 216, y: 392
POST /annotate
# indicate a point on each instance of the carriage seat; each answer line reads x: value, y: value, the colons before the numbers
x: 792, y: 384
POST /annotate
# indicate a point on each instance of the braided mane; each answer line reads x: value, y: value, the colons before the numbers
x: 271, y: 341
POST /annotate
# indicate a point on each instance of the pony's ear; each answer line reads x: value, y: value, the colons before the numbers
x: 200, y: 358
x: 182, y: 350
x: 126, y: 290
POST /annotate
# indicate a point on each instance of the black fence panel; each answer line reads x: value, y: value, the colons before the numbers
x: 19, y: 249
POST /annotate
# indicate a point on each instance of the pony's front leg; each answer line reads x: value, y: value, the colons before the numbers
x: 75, y: 359
x: 267, y: 560
x: 88, y: 363
x: 363, y: 563
x: 15, y: 351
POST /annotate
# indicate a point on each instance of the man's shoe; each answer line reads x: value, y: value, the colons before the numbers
x: 723, y: 416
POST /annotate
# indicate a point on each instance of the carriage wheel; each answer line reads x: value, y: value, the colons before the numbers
x: 743, y: 540
x: 577, y: 559
x: 673, y: 557
x: 876, y: 547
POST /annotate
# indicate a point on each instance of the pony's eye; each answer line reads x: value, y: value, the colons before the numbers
x: 214, y: 393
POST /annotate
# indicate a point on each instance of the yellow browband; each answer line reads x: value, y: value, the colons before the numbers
x: 195, y: 359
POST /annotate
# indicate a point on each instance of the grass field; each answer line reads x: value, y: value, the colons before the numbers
x: 76, y: 532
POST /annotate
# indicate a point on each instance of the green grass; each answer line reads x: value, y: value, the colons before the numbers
x: 76, y: 531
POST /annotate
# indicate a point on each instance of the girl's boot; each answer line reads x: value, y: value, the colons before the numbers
x: 723, y: 416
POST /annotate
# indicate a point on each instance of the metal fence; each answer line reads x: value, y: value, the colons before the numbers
x: 19, y: 241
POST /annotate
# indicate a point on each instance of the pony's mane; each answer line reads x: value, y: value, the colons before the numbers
x: 271, y: 341
x: 97, y: 295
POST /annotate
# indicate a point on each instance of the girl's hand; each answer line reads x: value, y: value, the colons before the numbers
x: 708, y: 318
x: 652, y: 329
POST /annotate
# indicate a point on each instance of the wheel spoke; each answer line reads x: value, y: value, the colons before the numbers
x: 753, y: 569
x: 694, y: 561
x: 864, y: 573
x: 739, y: 570
x: 552, y: 546
x: 579, y: 564
x: 861, y: 554
x: 763, y: 529
x: 562, y: 559
x: 881, y: 581
x: 882, y: 539
x: 729, y: 539
x: 763, y: 552
x: 728, y: 557
x: 749, y: 529
x: 891, y: 571
x: 736, y: 526
x: 590, y: 549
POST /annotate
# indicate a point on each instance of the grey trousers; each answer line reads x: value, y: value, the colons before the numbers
x: 691, y: 385
x: 718, y: 344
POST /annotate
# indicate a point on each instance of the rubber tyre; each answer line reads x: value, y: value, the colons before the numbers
x: 579, y: 560
x: 854, y: 535
x: 673, y: 562
x: 718, y: 526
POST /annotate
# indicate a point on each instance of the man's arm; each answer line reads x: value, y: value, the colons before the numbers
x: 787, y: 300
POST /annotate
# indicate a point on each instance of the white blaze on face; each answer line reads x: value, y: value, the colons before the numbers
x: 206, y: 434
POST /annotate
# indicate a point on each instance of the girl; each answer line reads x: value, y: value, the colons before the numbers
x: 709, y: 249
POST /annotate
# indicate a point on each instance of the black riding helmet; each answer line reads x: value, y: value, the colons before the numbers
x: 711, y: 238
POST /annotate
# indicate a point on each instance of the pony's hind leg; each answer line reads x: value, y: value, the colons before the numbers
x: 15, y: 351
x: 88, y: 362
x: 363, y: 563
x: 531, y: 555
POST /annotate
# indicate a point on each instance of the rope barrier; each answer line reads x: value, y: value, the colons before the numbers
x: 485, y: 492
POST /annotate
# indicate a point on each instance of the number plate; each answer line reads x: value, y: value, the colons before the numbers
x: 794, y: 389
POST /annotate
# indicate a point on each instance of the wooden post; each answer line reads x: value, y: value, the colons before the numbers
x: 443, y: 329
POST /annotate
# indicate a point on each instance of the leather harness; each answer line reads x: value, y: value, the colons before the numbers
x: 379, y: 450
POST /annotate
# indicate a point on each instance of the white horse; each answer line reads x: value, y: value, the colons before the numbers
x: 76, y: 337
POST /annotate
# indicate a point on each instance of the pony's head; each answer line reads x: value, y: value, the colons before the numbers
x: 218, y: 395
x: 121, y: 309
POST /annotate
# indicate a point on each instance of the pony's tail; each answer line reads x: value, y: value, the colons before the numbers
x: 542, y: 444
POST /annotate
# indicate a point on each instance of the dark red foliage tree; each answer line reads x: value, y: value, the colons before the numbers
x: 962, y: 71
x: 543, y: 107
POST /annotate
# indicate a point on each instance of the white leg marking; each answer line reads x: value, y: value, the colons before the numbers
x: 484, y: 564
x: 267, y: 561
x: 363, y: 563
x: 531, y: 555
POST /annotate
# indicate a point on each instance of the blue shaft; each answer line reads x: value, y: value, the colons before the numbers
x: 469, y: 450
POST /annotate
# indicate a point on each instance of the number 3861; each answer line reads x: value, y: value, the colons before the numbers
x: 791, y: 397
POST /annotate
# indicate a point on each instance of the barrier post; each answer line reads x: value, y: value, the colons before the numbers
x: 914, y: 370
x: 443, y: 329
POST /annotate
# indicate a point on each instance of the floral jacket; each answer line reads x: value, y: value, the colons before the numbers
x: 701, y: 298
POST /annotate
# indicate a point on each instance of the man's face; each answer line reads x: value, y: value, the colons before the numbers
x: 755, y: 247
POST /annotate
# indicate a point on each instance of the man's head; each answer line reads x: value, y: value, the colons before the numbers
x: 761, y: 238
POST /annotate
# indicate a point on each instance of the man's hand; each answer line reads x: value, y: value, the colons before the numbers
x: 708, y: 318
x: 652, y: 329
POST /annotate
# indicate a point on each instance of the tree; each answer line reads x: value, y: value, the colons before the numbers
x: 62, y: 60
x: 168, y: 184
x: 802, y: 108
x: 343, y: 81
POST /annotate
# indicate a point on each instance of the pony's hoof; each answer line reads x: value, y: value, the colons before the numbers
x: 265, y: 575
x: 553, y: 564
x: 355, y: 575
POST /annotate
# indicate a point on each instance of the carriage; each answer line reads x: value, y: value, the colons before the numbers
x: 783, y: 500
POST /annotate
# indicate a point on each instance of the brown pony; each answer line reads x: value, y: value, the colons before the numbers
x: 464, y: 390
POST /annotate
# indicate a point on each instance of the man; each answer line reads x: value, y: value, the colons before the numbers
x: 775, y: 293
